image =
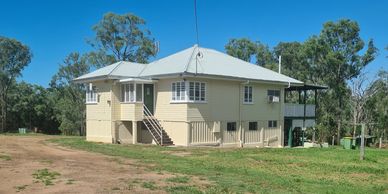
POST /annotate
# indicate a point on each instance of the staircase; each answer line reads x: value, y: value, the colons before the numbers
x: 155, y: 128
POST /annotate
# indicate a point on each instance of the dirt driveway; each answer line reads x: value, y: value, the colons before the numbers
x: 80, y: 171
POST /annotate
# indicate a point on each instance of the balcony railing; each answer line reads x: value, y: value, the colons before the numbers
x: 296, y: 110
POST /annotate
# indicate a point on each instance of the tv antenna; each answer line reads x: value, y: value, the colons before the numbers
x: 196, y: 21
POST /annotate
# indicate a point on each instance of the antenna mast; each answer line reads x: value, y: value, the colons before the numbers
x: 197, y: 36
x: 196, y: 21
x: 280, y: 64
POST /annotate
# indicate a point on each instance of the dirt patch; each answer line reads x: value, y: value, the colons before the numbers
x: 77, y: 171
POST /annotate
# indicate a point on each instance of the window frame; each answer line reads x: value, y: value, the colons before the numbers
x: 175, y: 90
x: 249, y: 99
x: 231, y: 123
x: 272, y: 124
x: 91, y: 95
x: 256, y: 126
x: 125, y: 98
x: 272, y: 92
x: 194, y: 92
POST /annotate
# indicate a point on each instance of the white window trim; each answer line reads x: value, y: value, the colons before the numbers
x: 247, y: 102
x: 123, y: 101
x: 90, y: 93
x: 174, y: 93
x: 187, y: 93
x: 272, y: 123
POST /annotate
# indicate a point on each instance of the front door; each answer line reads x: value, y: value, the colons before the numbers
x: 149, y: 97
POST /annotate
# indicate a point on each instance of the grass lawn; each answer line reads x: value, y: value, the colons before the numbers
x: 313, y: 170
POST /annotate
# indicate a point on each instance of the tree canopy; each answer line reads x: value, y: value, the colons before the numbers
x: 331, y: 58
x: 122, y: 38
x: 14, y: 56
x: 69, y: 108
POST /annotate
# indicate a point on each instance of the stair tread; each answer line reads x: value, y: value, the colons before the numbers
x: 153, y: 126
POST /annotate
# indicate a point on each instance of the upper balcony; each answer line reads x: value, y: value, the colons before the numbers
x: 297, y: 110
x: 301, y: 101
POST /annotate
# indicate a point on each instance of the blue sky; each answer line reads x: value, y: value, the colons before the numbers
x: 53, y: 29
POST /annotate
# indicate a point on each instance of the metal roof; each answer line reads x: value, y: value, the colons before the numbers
x: 194, y: 60
x: 117, y: 70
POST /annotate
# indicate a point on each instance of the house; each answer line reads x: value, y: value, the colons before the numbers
x: 197, y: 96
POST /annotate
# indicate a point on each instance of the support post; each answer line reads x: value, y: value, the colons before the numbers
x: 290, y: 137
x: 262, y: 136
x: 380, y: 142
x: 313, y: 139
x: 362, y: 146
x: 134, y: 132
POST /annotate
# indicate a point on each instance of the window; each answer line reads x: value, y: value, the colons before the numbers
x: 131, y: 92
x: 274, y: 93
x: 195, y: 91
x: 203, y: 91
x: 252, y: 126
x: 178, y: 91
x: 231, y: 126
x: 91, y: 94
x: 272, y: 124
x: 248, y: 96
x: 139, y: 92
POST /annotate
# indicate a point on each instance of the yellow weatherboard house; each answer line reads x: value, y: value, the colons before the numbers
x: 197, y: 96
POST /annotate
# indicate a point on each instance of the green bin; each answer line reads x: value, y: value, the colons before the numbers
x: 342, y: 142
x: 347, y: 142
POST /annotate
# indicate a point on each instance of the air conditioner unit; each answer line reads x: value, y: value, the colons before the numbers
x: 272, y: 99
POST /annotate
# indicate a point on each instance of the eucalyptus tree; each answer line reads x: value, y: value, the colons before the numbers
x: 122, y: 38
x: 30, y: 106
x: 377, y: 105
x: 14, y: 57
x: 69, y: 96
x: 294, y: 61
x: 242, y: 48
x: 339, y: 59
x: 248, y: 50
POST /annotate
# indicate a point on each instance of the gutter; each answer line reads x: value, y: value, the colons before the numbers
x: 222, y: 77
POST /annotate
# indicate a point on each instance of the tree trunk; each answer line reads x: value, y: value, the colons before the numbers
x: 3, y: 115
x: 362, y: 146
x: 354, y: 123
x: 339, y: 119
x: 338, y: 131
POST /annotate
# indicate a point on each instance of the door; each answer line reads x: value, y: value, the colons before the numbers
x: 149, y: 97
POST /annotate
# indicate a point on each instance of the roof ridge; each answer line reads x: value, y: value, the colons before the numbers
x: 119, y: 63
x: 191, y: 57
x: 145, y: 66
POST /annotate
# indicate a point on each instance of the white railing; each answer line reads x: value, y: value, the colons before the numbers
x: 296, y: 110
x: 154, y: 124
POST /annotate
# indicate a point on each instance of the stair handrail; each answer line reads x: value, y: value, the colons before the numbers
x: 155, y: 125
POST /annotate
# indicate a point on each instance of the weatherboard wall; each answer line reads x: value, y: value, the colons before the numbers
x: 99, y: 115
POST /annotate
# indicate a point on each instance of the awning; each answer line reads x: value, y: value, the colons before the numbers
x: 306, y: 87
x: 137, y: 80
